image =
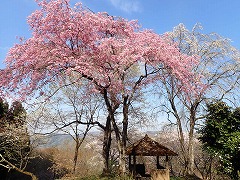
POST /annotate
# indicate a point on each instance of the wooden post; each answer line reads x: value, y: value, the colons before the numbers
x: 167, y: 162
x: 158, y: 162
x: 134, y: 166
x: 129, y: 163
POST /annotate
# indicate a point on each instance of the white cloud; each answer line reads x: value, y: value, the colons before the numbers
x: 128, y: 6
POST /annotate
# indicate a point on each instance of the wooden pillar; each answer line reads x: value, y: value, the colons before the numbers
x: 158, y: 162
x: 167, y: 159
x: 134, y: 166
x: 129, y: 163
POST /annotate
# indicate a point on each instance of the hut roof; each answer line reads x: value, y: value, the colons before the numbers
x: 148, y: 147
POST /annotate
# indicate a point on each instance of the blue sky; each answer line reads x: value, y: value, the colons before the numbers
x: 222, y: 16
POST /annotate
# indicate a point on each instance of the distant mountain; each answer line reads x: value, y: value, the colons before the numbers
x: 54, y: 140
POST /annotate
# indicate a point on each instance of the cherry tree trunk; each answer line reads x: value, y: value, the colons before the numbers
x: 190, y: 156
x: 111, y: 110
x: 124, y: 133
x: 121, y: 148
x: 106, y: 147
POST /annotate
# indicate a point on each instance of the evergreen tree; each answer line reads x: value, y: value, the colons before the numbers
x: 221, y: 136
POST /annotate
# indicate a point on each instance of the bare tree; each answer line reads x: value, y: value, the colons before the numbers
x: 70, y: 111
x: 218, y: 74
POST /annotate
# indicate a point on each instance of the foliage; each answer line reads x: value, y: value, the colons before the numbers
x: 221, y: 136
x: 218, y: 72
x: 14, y: 115
x: 3, y: 108
x: 96, y: 46
x: 14, y: 139
x: 104, y: 50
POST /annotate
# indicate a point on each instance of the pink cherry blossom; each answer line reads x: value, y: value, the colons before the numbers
x: 96, y: 46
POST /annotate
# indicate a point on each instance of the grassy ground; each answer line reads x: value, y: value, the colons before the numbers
x: 95, y: 177
x: 106, y: 178
x: 120, y: 178
x: 176, y: 178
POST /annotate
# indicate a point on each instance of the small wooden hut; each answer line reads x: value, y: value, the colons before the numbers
x: 148, y: 147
